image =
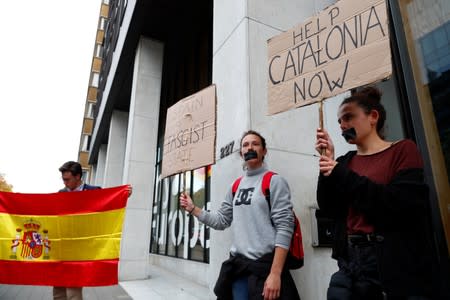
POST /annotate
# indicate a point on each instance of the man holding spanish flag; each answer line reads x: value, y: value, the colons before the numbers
x: 71, y: 173
x: 66, y: 240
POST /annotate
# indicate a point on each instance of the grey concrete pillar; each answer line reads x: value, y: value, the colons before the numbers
x: 115, y: 153
x: 100, y: 166
x: 140, y: 159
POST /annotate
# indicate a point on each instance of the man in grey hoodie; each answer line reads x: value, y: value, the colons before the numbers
x: 261, y: 234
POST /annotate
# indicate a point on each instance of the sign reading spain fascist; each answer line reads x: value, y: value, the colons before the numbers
x: 346, y: 45
x: 190, y: 136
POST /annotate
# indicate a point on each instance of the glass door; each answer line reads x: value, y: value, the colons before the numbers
x: 426, y: 26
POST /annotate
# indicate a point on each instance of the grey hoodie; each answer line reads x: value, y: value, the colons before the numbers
x: 249, y: 216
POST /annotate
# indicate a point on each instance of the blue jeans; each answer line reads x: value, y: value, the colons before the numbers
x: 240, y: 288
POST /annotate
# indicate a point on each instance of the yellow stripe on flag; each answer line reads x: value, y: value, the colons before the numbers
x: 92, y: 236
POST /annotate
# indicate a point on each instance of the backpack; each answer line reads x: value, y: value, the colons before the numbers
x: 296, y: 254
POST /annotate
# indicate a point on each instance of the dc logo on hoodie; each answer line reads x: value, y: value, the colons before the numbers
x: 244, y: 196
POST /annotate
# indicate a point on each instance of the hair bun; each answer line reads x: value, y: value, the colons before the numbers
x: 372, y: 93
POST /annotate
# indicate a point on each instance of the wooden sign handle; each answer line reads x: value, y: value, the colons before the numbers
x: 321, y: 121
x: 321, y: 114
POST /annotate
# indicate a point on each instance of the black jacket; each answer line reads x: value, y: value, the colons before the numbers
x: 257, y: 272
x: 399, y: 211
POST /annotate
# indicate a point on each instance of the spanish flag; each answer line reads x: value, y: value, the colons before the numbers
x: 61, y: 239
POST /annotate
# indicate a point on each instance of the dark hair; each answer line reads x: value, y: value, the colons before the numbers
x: 73, y: 167
x: 248, y: 132
x: 369, y: 99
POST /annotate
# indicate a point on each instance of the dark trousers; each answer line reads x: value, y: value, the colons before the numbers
x: 358, y: 277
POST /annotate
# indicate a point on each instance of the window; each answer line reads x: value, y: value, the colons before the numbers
x: 98, y: 50
x: 423, y: 30
x: 85, y: 143
x: 102, y: 23
x: 427, y: 30
x: 428, y: 38
x: 174, y: 232
x: 94, y: 79
x: 435, y: 53
x: 90, y: 110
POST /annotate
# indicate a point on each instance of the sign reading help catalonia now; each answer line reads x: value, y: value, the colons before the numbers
x: 61, y: 239
x: 345, y: 46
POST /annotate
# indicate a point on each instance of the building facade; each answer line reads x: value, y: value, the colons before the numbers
x: 150, y: 54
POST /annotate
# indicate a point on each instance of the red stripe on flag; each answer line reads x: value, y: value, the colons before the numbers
x: 64, y: 203
x: 67, y: 273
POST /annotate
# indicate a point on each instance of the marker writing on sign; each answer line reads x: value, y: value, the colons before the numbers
x: 185, y: 137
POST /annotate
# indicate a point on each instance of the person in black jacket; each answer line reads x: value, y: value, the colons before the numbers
x: 379, y: 201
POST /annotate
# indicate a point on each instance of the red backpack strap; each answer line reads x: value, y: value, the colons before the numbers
x: 235, y: 186
x: 265, y: 186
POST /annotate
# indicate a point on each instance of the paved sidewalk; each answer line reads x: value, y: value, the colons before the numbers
x: 162, y: 285
x: 27, y: 292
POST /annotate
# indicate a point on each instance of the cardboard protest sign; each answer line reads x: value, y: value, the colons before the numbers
x: 345, y: 46
x: 190, y: 136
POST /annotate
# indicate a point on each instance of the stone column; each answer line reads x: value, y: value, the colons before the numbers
x: 140, y: 159
x: 100, y: 166
x: 115, y: 153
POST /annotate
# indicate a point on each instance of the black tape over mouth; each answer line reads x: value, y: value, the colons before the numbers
x: 349, y: 134
x: 251, y: 154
